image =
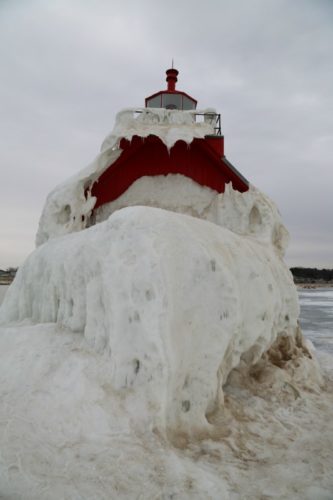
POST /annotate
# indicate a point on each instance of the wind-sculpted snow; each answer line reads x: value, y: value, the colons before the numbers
x: 174, y: 301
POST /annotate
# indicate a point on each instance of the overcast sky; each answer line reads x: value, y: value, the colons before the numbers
x: 68, y: 66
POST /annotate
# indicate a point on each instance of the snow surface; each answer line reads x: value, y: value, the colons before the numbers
x: 157, y: 354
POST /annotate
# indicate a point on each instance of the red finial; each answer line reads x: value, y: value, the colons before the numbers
x: 171, y: 78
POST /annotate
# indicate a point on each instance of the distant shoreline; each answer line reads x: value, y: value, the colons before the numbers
x: 317, y: 284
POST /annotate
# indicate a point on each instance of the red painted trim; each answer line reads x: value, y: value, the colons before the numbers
x: 217, y: 143
x: 140, y: 157
x: 171, y: 78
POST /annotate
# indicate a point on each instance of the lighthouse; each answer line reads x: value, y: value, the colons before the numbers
x: 202, y: 159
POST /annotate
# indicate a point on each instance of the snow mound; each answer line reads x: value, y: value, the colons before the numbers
x: 175, y: 302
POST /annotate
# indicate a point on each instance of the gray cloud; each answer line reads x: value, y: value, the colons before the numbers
x: 69, y: 66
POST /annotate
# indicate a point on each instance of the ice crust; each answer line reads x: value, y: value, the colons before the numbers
x: 171, y: 322
x: 175, y: 301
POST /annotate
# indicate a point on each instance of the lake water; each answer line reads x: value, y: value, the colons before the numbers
x: 316, y: 315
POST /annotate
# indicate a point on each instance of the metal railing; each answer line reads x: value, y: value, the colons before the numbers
x: 213, y: 119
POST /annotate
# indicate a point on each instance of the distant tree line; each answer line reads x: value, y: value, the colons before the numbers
x: 311, y: 274
x: 9, y: 270
x: 300, y: 274
x: 7, y: 276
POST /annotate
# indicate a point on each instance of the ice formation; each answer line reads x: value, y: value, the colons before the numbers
x: 177, y: 302
x: 168, y: 303
x: 174, y: 300
x: 68, y: 207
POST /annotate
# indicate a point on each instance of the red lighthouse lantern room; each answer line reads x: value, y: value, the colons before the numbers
x: 203, y: 160
x: 171, y: 98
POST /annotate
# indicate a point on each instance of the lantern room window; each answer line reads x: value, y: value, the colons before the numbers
x: 175, y: 100
x: 188, y: 103
x: 172, y: 101
x: 154, y: 102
